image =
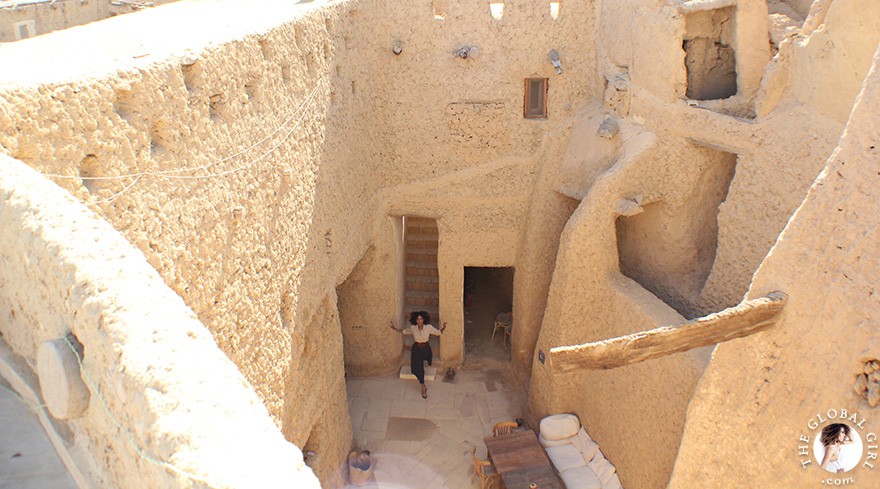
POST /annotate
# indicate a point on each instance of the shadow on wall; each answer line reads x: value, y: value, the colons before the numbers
x: 670, y: 248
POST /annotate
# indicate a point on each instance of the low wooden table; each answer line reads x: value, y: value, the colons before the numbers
x: 521, y: 461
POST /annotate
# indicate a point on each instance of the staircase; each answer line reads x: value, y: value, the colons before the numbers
x: 422, y: 280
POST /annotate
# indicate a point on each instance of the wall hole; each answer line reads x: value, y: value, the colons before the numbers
x: 554, y: 10
x: 190, y: 72
x: 439, y: 9
x: 217, y: 107
x: 91, y: 173
x: 252, y: 90
x: 158, y: 139
x: 710, y: 60
x: 265, y: 48
x: 122, y: 105
x: 496, y: 9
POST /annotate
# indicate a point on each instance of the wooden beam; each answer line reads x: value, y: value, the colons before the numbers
x: 744, y: 319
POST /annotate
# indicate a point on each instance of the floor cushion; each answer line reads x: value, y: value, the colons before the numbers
x: 613, y: 483
x: 585, y: 445
x: 554, y: 443
x: 580, y: 478
x: 559, y: 426
x: 566, y: 457
x: 602, y: 467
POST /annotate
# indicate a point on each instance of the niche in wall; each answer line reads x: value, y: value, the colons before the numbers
x: 669, y: 248
x: 710, y: 59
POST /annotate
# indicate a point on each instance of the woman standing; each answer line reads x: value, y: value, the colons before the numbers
x: 421, y: 331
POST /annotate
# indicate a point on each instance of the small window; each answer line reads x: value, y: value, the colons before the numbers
x: 554, y: 10
x: 24, y: 29
x: 535, y: 100
x: 496, y: 9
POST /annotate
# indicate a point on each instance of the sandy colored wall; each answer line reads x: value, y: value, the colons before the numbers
x: 54, y: 15
x: 590, y: 300
x: 829, y: 66
x: 773, y: 383
x: 154, y: 375
x: 259, y: 253
x: 51, y: 16
x: 253, y: 241
x: 457, y: 148
x: 778, y: 154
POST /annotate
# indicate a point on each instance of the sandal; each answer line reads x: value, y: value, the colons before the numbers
x: 424, y: 393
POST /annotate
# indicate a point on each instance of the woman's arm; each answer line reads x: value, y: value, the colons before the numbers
x: 438, y: 331
x: 401, y: 331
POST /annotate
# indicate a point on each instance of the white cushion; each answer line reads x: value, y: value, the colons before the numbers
x: 602, y: 467
x: 554, y: 443
x: 613, y: 483
x: 580, y: 478
x: 566, y: 457
x: 560, y: 426
x: 585, y: 445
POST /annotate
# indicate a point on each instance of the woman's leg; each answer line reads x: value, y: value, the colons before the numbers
x: 417, y: 366
x: 417, y: 363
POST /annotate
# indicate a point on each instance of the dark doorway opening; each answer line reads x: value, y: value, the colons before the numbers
x: 488, y: 296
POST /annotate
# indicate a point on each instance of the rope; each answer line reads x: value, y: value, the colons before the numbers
x: 126, y: 433
x: 175, y: 173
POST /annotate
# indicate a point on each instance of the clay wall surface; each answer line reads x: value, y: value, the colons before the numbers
x: 779, y: 148
x: 775, y: 382
x: 165, y: 407
x: 256, y: 109
x: 258, y: 238
x: 457, y: 148
x: 828, y: 67
x: 262, y: 164
x: 52, y: 15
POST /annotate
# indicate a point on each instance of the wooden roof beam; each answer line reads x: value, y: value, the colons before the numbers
x: 744, y: 319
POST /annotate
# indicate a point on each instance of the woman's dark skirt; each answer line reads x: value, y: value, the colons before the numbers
x: 421, y: 352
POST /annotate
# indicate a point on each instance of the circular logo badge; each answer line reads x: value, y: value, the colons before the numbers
x: 838, y: 447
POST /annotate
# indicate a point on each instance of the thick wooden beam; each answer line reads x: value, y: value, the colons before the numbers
x: 744, y: 319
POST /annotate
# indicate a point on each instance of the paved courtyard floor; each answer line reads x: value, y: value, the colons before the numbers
x: 427, y: 444
x: 27, y: 458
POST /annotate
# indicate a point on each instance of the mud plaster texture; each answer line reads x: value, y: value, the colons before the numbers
x: 159, y: 388
x: 274, y: 148
x: 51, y: 16
x: 823, y: 260
x: 779, y: 152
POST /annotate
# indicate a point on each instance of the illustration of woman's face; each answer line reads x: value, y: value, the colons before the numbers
x: 841, y: 436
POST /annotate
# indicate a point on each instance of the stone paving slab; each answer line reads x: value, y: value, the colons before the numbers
x: 27, y: 458
x: 420, y: 443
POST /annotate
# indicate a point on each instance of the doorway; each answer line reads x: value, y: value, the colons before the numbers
x: 488, y: 295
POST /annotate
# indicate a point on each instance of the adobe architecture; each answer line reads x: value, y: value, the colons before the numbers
x: 214, y: 223
x: 21, y: 19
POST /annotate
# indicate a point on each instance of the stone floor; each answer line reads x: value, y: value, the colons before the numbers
x: 427, y: 444
x: 27, y: 458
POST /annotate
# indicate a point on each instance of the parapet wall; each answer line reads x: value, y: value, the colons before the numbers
x: 213, y: 151
x: 166, y: 407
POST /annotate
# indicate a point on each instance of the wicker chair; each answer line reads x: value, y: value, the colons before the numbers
x: 486, y: 472
x: 504, y: 428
